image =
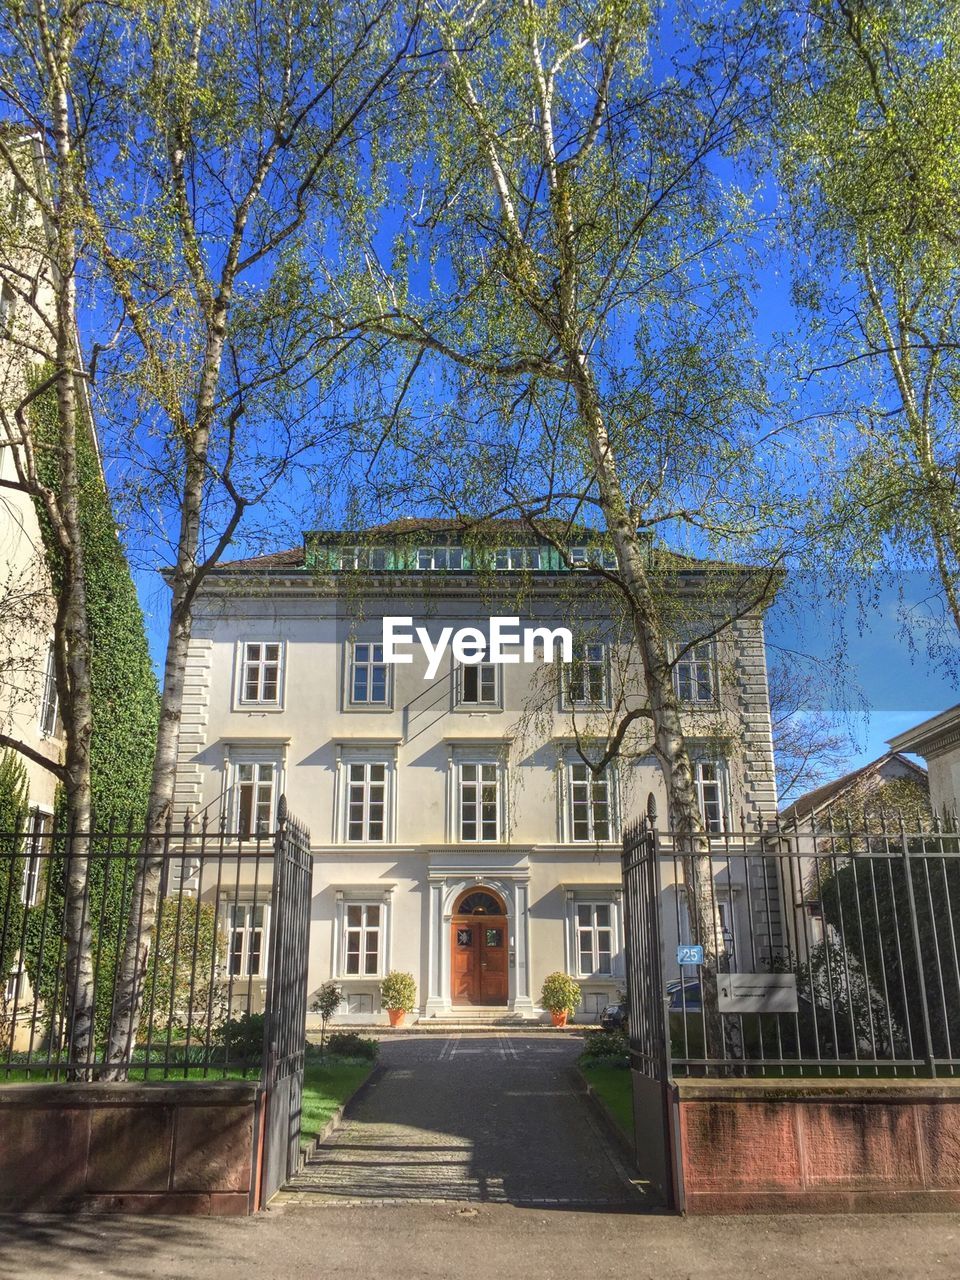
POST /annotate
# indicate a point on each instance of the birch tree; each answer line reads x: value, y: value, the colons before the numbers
x: 866, y: 95
x: 571, y: 265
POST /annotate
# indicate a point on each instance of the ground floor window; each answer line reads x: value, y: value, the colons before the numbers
x: 37, y: 844
x: 362, y: 939
x: 247, y: 939
x: 594, y: 938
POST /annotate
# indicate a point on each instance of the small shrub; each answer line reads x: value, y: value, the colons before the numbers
x: 241, y: 1039
x: 326, y: 1002
x: 559, y: 993
x: 398, y: 991
x: 606, y: 1046
x: 350, y: 1044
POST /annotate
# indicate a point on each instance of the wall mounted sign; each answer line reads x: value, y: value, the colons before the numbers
x: 690, y: 955
x: 757, y: 992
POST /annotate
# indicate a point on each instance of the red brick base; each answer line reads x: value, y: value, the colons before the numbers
x: 817, y: 1146
x: 168, y: 1147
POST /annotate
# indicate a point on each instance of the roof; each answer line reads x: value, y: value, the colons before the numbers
x: 930, y: 736
x: 295, y: 558
x: 822, y: 797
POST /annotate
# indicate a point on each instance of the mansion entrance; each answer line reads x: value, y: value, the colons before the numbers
x: 479, y: 950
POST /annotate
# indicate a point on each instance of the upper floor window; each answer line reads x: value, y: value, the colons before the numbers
x: 368, y: 674
x: 367, y: 782
x: 440, y: 558
x: 591, y: 803
x: 583, y: 555
x: 586, y: 676
x: 348, y: 558
x: 50, y: 702
x: 480, y: 801
x: 594, y: 939
x: 477, y: 684
x: 694, y: 675
x: 247, y: 939
x: 710, y: 778
x: 255, y: 801
x: 261, y: 673
x: 517, y: 558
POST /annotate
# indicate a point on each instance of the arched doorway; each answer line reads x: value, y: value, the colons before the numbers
x: 478, y: 942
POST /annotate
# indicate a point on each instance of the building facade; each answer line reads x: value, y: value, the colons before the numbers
x: 457, y: 832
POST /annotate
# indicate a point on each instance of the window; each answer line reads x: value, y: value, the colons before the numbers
x: 592, y: 555
x: 247, y: 940
x: 594, y: 938
x: 7, y: 298
x: 586, y: 676
x: 710, y: 779
x: 346, y: 559
x: 40, y: 826
x: 368, y: 675
x: 480, y: 801
x: 13, y: 990
x: 260, y: 676
x: 255, y: 786
x: 517, y: 558
x: 366, y: 800
x: 362, y: 935
x: 694, y: 675
x: 477, y: 684
x: 50, y: 702
x: 440, y: 558
x: 591, y: 808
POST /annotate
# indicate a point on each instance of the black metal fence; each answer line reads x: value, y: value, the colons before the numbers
x: 824, y: 948
x: 219, y: 996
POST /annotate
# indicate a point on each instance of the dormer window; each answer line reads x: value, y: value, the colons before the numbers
x: 582, y: 557
x: 517, y: 558
x: 440, y: 558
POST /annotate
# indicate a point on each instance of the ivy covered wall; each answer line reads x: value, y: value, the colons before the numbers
x: 125, y: 696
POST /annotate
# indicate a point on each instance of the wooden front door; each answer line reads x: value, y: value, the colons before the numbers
x: 479, y: 967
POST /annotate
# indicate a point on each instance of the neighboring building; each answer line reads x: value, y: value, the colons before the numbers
x: 937, y: 740
x: 456, y: 833
x: 852, y: 790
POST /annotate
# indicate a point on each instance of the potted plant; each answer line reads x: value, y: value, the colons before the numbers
x: 561, y: 995
x: 398, y: 995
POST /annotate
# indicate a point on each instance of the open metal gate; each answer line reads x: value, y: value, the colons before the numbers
x: 654, y: 1104
x: 285, y: 1009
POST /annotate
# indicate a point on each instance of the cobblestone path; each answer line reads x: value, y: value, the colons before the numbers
x: 470, y: 1118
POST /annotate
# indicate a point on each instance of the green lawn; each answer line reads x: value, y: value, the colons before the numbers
x: 326, y: 1087
x: 612, y: 1084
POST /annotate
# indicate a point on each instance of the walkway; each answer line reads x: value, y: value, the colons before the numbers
x: 470, y: 1118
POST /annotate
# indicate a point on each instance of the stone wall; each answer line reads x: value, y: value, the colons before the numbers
x: 169, y: 1147
x: 819, y: 1146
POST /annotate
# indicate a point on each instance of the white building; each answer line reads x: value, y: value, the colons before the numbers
x: 456, y: 832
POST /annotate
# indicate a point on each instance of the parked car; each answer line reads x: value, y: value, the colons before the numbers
x: 614, y: 1017
x: 684, y: 996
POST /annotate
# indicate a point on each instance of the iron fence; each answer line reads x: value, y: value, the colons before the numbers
x: 821, y: 949
x: 217, y: 995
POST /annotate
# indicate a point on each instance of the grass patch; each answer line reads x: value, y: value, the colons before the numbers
x: 326, y: 1086
x: 612, y: 1084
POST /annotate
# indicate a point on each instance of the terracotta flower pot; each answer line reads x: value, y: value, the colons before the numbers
x: 559, y: 1017
x: 396, y: 1017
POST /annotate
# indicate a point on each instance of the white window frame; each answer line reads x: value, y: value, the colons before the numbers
x: 256, y: 762
x: 365, y: 763
x: 572, y: 785
x: 507, y: 558
x: 49, y: 719
x: 353, y: 665
x: 592, y: 556
x: 603, y: 662
x: 244, y: 662
x: 594, y: 929
x: 695, y: 676
x: 41, y: 825
x: 499, y: 781
x: 363, y: 930
x: 440, y: 558
x: 488, y: 675
x: 716, y: 823
x: 232, y: 908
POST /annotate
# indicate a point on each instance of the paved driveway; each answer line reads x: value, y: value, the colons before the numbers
x: 470, y: 1118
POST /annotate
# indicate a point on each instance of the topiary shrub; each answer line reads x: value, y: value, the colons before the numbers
x: 326, y: 1002
x: 398, y: 991
x: 560, y: 993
